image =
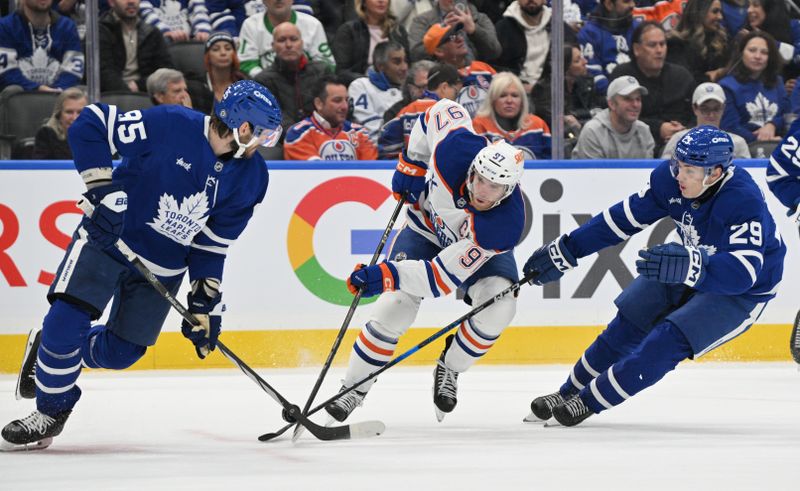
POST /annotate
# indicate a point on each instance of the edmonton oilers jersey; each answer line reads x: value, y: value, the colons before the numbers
x: 185, y: 206
x: 734, y: 226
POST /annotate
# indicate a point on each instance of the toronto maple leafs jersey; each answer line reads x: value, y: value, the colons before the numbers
x: 444, y: 140
x: 751, y: 105
x: 783, y: 169
x: 189, y: 16
x: 603, y: 51
x: 733, y: 225
x: 185, y: 206
x: 31, y: 57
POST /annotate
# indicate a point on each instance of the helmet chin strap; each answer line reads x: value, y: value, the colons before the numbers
x: 242, y: 146
x: 706, y: 186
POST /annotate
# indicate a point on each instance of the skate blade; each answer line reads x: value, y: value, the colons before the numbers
x: 13, y: 447
x: 531, y: 418
x: 331, y: 421
x: 439, y: 414
x: 28, y: 346
x: 552, y: 423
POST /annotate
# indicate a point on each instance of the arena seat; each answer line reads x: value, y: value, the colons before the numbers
x: 23, y: 114
x: 126, y: 101
x: 188, y: 58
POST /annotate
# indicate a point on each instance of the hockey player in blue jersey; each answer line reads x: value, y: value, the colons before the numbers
x: 185, y: 190
x: 465, y: 216
x: 690, y: 298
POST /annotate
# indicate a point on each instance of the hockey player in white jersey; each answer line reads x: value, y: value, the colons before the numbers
x: 185, y: 190
x: 464, y: 218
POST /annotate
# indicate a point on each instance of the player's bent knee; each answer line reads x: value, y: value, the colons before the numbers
x: 111, y: 351
x: 497, y: 316
x: 65, y: 326
x: 394, y: 312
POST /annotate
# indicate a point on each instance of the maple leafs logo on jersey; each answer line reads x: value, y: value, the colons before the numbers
x: 181, y: 223
x: 690, y: 236
x: 40, y: 67
x: 761, y: 110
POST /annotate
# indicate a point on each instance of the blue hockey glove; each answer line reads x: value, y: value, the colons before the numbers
x: 208, y: 309
x: 673, y: 263
x: 104, y: 226
x: 550, y: 261
x: 409, y: 179
x: 373, y: 280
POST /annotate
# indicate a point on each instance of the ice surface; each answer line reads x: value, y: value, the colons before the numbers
x: 706, y: 426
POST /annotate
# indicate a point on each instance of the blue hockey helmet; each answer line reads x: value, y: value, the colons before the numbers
x: 705, y: 146
x: 251, y: 102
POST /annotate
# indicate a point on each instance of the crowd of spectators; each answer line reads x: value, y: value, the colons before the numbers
x: 352, y: 75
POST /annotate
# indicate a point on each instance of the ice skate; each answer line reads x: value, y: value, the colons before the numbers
x: 34, y: 432
x: 445, y: 385
x: 542, y: 407
x: 341, y: 408
x: 26, y: 382
x: 572, y: 412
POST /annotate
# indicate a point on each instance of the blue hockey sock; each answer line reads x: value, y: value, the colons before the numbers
x: 619, y: 339
x: 58, y: 363
x: 104, y: 349
x: 657, y: 355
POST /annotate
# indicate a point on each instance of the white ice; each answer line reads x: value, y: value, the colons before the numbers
x: 705, y: 426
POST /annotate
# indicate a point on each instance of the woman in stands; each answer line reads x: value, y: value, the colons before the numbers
x: 755, y: 96
x: 222, y: 69
x: 773, y: 17
x: 504, y: 116
x: 355, y: 40
x: 700, y: 42
x: 51, y: 139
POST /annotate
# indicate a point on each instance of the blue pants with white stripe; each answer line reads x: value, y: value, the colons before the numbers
x: 657, y: 326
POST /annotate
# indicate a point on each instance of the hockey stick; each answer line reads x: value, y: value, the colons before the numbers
x: 433, y: 337
x: 346, y: 323
x: 794, y: 343
x: 357, y: 430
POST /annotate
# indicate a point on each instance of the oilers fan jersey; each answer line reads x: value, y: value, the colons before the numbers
x: 733, y: 225
x: 444, y: 140
x: 51, y: 57
x: 533, y: 134
x: 314, y: 139
x: 185, y: 206
x: 783, y: 169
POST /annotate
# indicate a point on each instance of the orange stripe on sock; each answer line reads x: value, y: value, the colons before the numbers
x: 472, y: 340
x: 372, y: 347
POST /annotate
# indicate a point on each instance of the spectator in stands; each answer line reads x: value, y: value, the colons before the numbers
x: 581, y: 100
x: 665, y: 12
x: 708, y: 103
x: 51, y: 139
x: 372, y: 95
x: 327, y: 134
x: 130, y: 49
x: 178, y: 20
x: 734, y: 16
x: 447, y: 44
x: 356, y: 40
x: 606, y: 38
x: 699, y: 43
x: 756, y: 97
x: 772, y: 16
x: 76, y: 10
x: 292, y: 76
x: 222, y: 69
x: 616, y: 132
x: 407, y: 10
x: 443, y: 82
x: 416, y: 83
x: 229, y: 15
x: 39, y: 50
x: 256, y: 51
x: 167, y: 86
x: 481, y: 38
x: 666, y: 107
x: 504, y: 115
x: 524, y: 34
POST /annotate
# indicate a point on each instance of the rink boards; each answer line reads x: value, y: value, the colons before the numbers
x: 284, y: 279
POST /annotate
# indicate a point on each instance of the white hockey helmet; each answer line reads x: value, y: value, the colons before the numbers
x: 500, y: 163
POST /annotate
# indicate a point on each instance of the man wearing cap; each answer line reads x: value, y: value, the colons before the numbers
x: 130, y: 50
x: 708, y: 104
x: 481, y: 37
x: 616, y: 132
x: 443, y: 83
x: 292, y: 76
x: 666, y: 107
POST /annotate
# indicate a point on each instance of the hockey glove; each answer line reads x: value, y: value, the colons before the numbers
x: 673, y: 263
x: 409, y: 179
x: 205, y: 302
x: 550, y: 262
x: 104, y: 226
x: 373, y: 280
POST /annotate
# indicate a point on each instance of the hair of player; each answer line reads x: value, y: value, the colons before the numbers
x: 501, y: 82
x: 53, y: 122
x: 158, y: 81
x: 380, y: 56
x: 769, y: 77
x: 321, y: 87
x: 219, y: 126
